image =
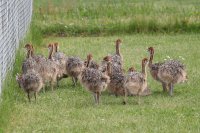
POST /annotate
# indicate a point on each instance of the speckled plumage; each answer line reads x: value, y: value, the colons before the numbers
x: 117, y: 78
x: 59, y: 56
x: 116, y: 59
x: 94, y: 80
x: 74, y: 66
x: 29, y: 64
x: 32, y: 61
x: 172, y: 71
x: 74, y: 62
x: 154, y: 68
x: 60, y: 59
x: 45, y: 67
x: 116, y: 85
x: 115, y: 67
x: 136, y: 82
x: 92, y: 64
x: 30, y: 82
x: 49, y: 71
x: 39, y: 58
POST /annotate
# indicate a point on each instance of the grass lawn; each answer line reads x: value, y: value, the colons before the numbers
x: 105, y: 17
x: 70, y: 109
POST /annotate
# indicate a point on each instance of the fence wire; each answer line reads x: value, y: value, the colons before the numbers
x: 15, y: 17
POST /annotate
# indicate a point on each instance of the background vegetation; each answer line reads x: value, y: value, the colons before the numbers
x: 108, y: 17
x: 70, y: 109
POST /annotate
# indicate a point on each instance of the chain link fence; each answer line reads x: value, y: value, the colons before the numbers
x: 15, y: 17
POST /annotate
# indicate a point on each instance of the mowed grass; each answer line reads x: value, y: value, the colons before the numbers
x: 69, y: 109
x: 103, y: 17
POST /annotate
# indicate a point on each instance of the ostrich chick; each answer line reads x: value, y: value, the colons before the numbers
x: 117, y: 80
x: 32, y: 61
x: 115, y: 68
x: 172, y: 72
x: 92, y: 63
x: 117, y: 57
x: 38, y: 58
x: 136, y: 82
x: 51, y: 70
x: 30, y: 82
x: 146, y: 91
x: 29, y: 63
x: 60, y: 58
x: 154, y: 68
x: 74, y: 66
x: 94, y: 80
x: 57, y: 54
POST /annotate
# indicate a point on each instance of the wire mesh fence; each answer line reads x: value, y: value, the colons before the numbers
x: 15, y: 17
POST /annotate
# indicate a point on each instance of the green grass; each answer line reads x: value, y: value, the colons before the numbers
x: 103, y: 17
x: 70, y: 109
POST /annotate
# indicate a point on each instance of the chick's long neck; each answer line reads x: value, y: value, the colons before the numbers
x: 56, y: 48
x: 32, y: 52
x: 29, y: 54
x: 151, y: 58
x: 50, y: 53
x: 118, y: 49
x: 88, y: 62
x: 144, y: 67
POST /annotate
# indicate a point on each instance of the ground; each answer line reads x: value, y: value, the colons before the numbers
x: 172, y: 27
x: 72, y: 109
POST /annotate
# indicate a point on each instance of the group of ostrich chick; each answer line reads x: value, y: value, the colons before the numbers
x: 39, y: 71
